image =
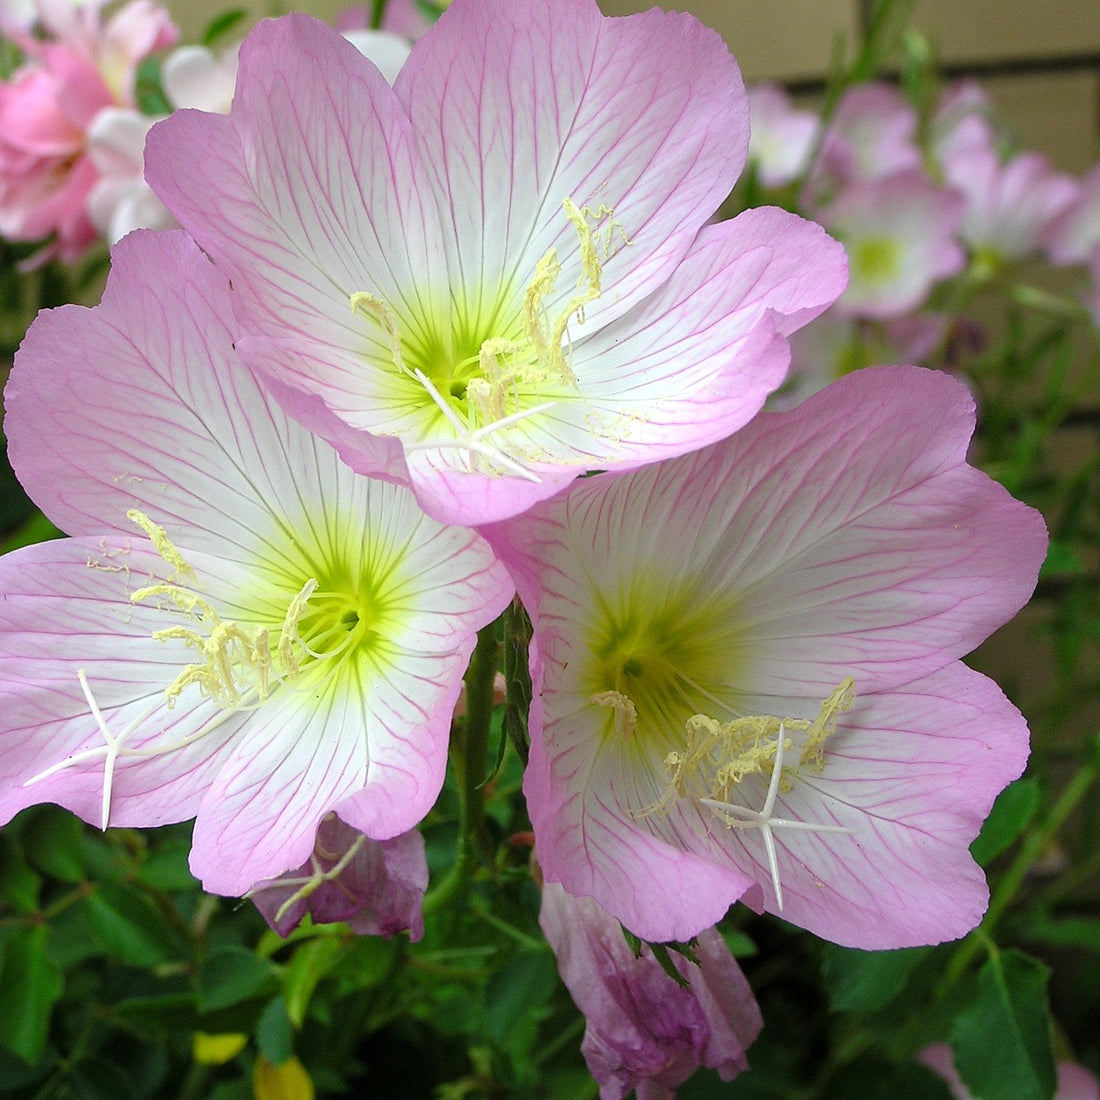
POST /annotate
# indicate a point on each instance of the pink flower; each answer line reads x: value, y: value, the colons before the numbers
x: 746, y: 675
x: 83, y: 64
x: 1075, y: 232
x: 962, y: 124
x: 240, y: 628
x: 376, y: 887
x: 781, y: 138
x: 835, y: 345
x: 899, y: 233
x: 871, y: 135
x: 1074, y: 1081
x: 645, y: 1031
x: 495, y: 276
x: 1009, y: 206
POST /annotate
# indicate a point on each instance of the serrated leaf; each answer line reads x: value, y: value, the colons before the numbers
x: 1011, y: 813
x: 275, y: 1033
x: 865, y: 981
x: 31, y: 983
x: 232, y: 976
x: 1002, y: 1041
x: 129, y: 926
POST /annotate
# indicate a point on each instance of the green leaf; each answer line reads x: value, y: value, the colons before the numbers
x: 19, y: 884
x: 865, y: 981
x: 275, y: 1033
x: 221, y: 26
x: 1076, y: 932
x: 31, y: 984
x: 52, y: 841
x: 308, y: 966
x: 1002, y: 1042
x: 1011, y: 813
x: 129, y: 926
x: 233, y: 975
x: 521, y: 984
x: 170, y: 1014
x: 166, y: 868
x: 94, y: 1078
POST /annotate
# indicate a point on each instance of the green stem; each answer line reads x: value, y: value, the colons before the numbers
x: 469, y: 747
x: 1033, y: 847
x: 378, y: 9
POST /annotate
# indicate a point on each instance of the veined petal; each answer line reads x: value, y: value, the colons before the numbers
x: 695, y: 361
x: 283, y: 775
x: 405, y: 772
x: 261, y: 573
x: 913, y: 774
x: 191, y: 438
x: 517, y: 107
x: 306, y: 192
x: 694, y: 617
x: 67, y: 608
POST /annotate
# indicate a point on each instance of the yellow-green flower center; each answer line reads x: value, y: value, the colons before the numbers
x: 287, y: 636
x: 875, y: 260
x: 464, y: 375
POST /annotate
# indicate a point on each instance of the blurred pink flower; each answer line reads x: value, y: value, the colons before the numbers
x: 962, y: 124
x: 746, y: 670
x: 644, y: 1031
x: 496, y: 275
x: 871, y: 135
x: 1011, y: 205
x: 375, y: 887
x: 78, y: 63
x: 899, y: 234
x: 781, y: 137
x: 1073, y: 235
x: 834, y: 345
x: 240, y: 628
x: 1074, y: 1081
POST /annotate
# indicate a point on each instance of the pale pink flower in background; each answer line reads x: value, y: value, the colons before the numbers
x: 121, y: 200
x: 1074, y: 1081
x: 1072, y: 236
x: 1009, y: 205
x: 781, y: 137
x: 495, y: 276
x: 196, y: 76
x: 193, y: 77
x: 376, y: 887
x: 835, y: 345
x: 899, y: 234
x: 962, y: 124
x: 240, y: 628
x: 82, y: 63
x: 644, y: 1031
x: 871, y: 135
x: 799, y: 593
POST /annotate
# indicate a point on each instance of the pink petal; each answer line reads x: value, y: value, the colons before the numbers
x: 517, y: 107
